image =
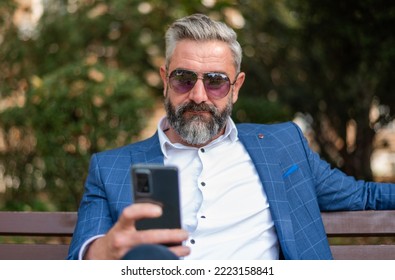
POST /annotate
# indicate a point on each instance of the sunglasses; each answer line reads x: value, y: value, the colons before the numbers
x: 217, y: 85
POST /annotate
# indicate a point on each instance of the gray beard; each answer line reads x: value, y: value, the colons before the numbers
x: 197, y: 129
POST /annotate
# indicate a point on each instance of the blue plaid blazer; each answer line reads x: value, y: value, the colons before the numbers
x: 298, y: 184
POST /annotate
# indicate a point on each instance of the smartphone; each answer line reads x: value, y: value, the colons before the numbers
x: 157, y: 184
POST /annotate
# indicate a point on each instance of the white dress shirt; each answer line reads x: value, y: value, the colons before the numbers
x: 224, y: 207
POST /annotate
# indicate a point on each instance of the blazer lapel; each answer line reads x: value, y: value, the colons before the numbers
x: 147, y: 151
x: 262, y: 151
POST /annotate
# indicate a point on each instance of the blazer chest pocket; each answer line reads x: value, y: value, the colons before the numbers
x: 293, y: 174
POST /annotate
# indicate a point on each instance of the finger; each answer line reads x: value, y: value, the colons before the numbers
x: 180, y: 251
x: 138, y: 211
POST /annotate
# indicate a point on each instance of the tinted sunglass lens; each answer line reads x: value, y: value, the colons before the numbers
x: 182, y: 81
x: 216, y: 84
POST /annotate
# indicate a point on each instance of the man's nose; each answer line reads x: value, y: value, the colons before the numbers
x: 198, y: 93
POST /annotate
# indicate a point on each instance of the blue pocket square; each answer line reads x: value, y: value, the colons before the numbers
x: 291, y: 170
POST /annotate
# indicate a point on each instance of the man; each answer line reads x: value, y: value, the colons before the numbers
x: 247, y: 191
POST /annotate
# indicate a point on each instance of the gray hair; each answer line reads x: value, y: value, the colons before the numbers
x: 199, y: 27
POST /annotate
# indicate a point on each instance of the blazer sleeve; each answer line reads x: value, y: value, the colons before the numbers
x: 337, y: 191
x: 94, y: 216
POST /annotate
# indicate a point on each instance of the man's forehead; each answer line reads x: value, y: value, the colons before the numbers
x: 202, y: 55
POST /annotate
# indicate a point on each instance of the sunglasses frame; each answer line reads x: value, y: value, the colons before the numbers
x: 209, y: 91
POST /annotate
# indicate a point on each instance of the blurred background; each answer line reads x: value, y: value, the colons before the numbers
x: 81, y: 76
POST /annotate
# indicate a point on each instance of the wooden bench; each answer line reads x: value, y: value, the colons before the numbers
x: 376, y: 227
x: 56, y: 229
x: 52, y: 231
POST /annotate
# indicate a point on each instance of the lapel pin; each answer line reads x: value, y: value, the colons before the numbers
x: 261, y: 136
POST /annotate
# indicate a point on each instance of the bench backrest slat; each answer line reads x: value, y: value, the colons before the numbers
x: 37, y: 223
x: 363, y: 252
x: 33, y: 251
x: 359, y: 223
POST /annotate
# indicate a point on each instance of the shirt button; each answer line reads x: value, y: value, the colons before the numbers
x: 202, y: 150
x: 203, y: 217
x: 203, y: 184
x: 192, y: 241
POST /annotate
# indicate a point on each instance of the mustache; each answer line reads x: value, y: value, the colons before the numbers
x: 193, y: 107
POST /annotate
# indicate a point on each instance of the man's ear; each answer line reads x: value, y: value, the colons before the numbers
x: 162, y: 72
x: 237, y: 86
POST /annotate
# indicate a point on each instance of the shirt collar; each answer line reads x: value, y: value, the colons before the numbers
x: 165, y: 144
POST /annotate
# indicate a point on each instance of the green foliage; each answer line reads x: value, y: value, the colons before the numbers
x: 348, y: 54
x: 259, y: 110
x: 68, y: 115
x: 332, y: 60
